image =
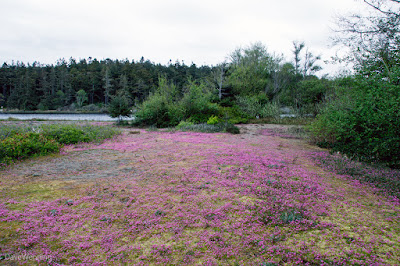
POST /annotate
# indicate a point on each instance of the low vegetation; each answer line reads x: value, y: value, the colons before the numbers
x: 22, y: 142
x: 189, y: 198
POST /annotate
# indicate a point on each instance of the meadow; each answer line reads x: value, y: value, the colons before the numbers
x: 262, y: 197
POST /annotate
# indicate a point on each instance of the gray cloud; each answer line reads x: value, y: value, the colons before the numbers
x: 200, y: 31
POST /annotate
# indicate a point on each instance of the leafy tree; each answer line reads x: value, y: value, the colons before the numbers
x: 250, y: 69
x: 373, y: 39
x: 196, y: 103
x: 81, y: 97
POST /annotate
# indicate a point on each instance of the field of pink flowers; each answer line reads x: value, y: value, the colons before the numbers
x: 184, y: 198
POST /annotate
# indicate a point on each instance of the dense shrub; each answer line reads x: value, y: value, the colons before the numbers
x: 363, y: 122
x: 21, y: 142
x: 257, y: 106
x: 232, y: 115
x: 71, y: 134
x: 166, y: 108
x: 184, y: 124
x: 158, y: 111
x: 196, y: 103
x: 25, y: 145
x: 230, y: 128
x: 249, y: 105
x: 213, y: 120
x: 11, y: 130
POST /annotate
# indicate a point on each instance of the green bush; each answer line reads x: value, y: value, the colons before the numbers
x: 213, y: 120
x: 232, y: 115
x: 25, y: 145
x: 257, y: 106
x: 71, y: 134
x: 196, y: 103
x: 249, y: 105
x: 270, y: 110
x: 21, y: 142
x: 66, y: 134
x: 230, y: 128
x: 158, y: 111
x: 184, y: 124
x: 363, y: 122
x: 165, y: 108
x: 11, y: 130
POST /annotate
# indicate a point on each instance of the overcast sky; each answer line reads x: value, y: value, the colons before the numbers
x: 199, y: 31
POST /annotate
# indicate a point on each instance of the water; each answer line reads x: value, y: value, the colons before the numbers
x: 79, y: 117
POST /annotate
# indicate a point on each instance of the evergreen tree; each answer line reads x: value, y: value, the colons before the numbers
x: 120, y: 105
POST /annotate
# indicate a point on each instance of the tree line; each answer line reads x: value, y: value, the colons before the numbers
x: 85, y: 82
x: 89, y: 84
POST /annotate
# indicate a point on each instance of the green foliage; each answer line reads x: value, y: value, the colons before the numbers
x: 161, y: 108
x: 213, y: 120
x: 56, y: 86
x: 250, y: 106
x: 66, y: 134
x: 251, y: 69
x: 95, y: 108
x: 21, y: 142
x: 196, y: 103
x: 166, y: 108
x: 270, y: 110
x: 230, y: 128
x: 311, y: 92
x: 184, y: 124
x: 306, y: 95
x: 291, y: 216
x: 25, y: 145
x: 158, y: 112
x: 257, y: 106
x: 232, y: 115
x: 11, y: 130
x: 120, y: 105
x: 71, y: 134
x: 363, y: 122
x: 81, y: 97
